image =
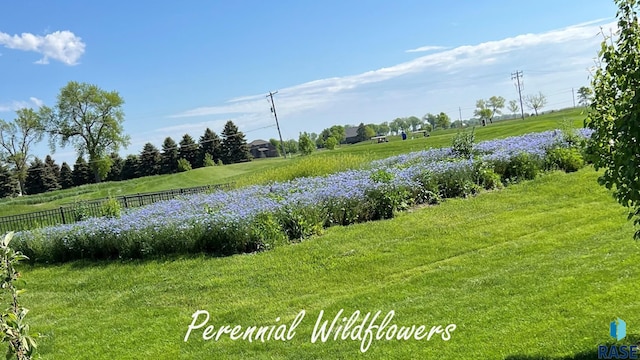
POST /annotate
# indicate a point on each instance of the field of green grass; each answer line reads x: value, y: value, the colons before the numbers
x: 534, y: 271
x: 537, y: 270
x: 263, y: 170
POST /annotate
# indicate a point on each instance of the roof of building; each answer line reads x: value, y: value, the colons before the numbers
x: 350, y: 131
x: 258, y: 142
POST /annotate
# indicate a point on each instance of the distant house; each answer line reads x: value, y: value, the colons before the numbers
x: 351, y: 134
x: 262, y: 149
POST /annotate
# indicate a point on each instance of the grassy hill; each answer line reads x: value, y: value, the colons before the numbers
x: 534, y: 271
x: 262, y: 170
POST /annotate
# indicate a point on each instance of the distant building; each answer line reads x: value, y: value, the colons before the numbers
x: 351, y: 134
x: 262, y: 149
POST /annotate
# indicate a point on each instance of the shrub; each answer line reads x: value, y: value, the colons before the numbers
x: 299, y: 222
x: 462, y: 144
x: 111, y: 208
x: 520, y: 167
x: 346, y: 211
x: 219, y: 163
x: 567, y: 159
x: 80, y: 212
x: 486, y: 177
x: 331, y: 143
x: 208, y: 160
x: 227, y: 238
x: 266, y: 232
x: 387, y: 199
x: 456, y: 181
x: 427, y: 190
x: 183, y: 165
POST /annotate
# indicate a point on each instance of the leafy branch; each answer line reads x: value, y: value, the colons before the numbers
x: 12, y: 326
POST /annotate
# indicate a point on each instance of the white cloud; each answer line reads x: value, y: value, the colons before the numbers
x: 553, y: 62
x: 37, y: 102
x: 543, y: 47
x: 14, y: 105
x: 63, y: 46
x: 426, y: 48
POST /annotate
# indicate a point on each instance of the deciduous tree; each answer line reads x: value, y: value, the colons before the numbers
x: 615, y: 111
x: 482, y: 111
x: 90, y: 119
x: 306, y: 144
x: 513, y: 106
x: 414, y: 122
x: 535, y: 102
x: 585, y: 95
x: 443, y: 121
x: 16, y: 139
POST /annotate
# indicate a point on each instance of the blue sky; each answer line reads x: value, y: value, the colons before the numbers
x: 182, y: 67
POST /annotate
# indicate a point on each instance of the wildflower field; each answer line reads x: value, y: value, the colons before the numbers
x: 259, y: 217
x: 535, y: 270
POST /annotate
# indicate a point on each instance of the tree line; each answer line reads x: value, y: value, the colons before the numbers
x: 90, y: 119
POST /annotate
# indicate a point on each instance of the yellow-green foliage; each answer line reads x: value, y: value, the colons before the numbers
x: 308, y: 166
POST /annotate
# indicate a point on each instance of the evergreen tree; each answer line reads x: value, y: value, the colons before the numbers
x: 115, y: 172
x: 131, y: 168
x: 362, y: 133
x: 66, y: 177
x: 209, y: 144
x: 51, y: 174
x: 189, y: 150
x: 51, y: 164
x: 8, y: 183
x: 34, y: 183
x: 234, y: 145
x: 170, y: 156
x: 150, y: 160
x: 81, y: 173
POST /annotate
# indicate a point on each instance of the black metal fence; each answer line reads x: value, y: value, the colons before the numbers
x: 94, y: 208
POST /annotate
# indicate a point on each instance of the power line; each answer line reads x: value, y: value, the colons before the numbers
x: 273, y: 110
x: 516, y: 76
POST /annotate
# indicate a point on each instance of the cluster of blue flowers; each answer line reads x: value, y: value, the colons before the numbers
x: 179, y: 217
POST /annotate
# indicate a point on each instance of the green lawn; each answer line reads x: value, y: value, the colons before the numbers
x: 534, y: 271
x: 265, y: 169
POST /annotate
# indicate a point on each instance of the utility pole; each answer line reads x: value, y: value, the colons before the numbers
x: 573, y: 94
x: 273, y: 110
x: 460, y: 111
x: 516, y: 76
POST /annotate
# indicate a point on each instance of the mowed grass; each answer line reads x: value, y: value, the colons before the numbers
x: 534, y: 271
x: 278, y: 169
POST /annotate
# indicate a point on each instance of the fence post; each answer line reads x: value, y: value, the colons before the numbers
x: 64, y: 221
x: 126, y: 205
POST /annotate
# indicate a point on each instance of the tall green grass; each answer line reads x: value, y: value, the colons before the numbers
x: 306, y: 166
x: 535, y: 271
x: 277, y: 169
